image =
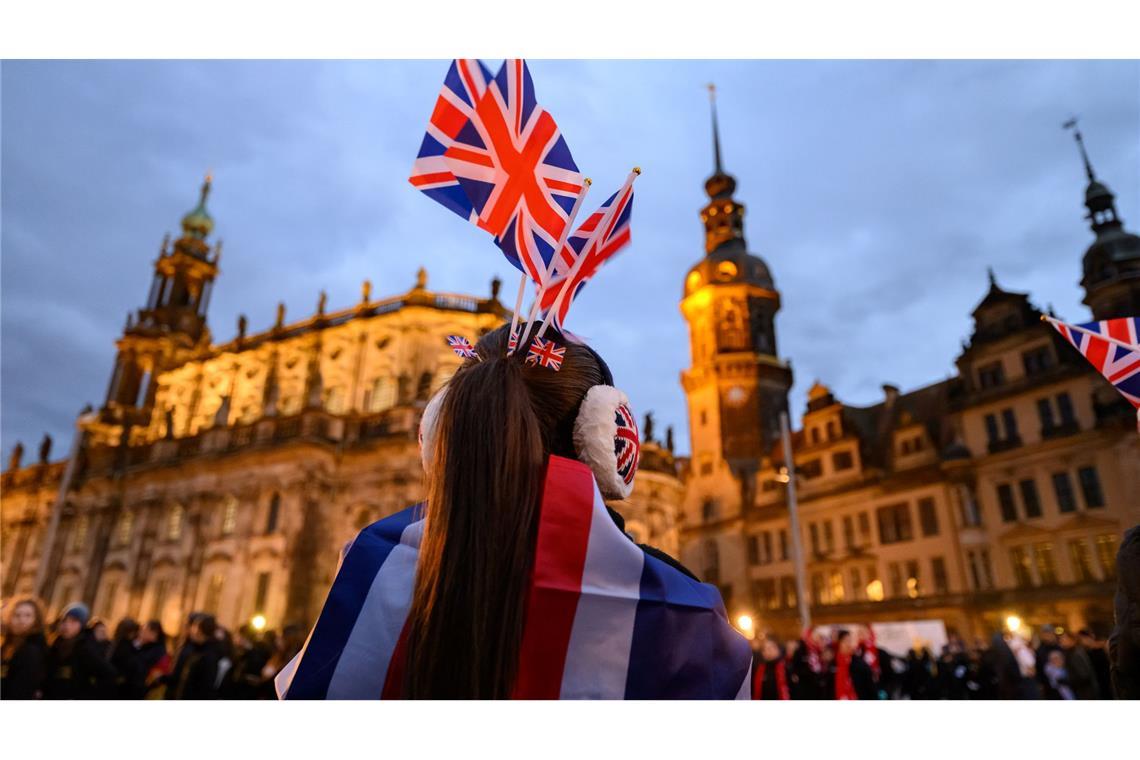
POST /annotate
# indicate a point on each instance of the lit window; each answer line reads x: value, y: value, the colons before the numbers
x: 174, y: 522
x: 726, y: 270
x: 124, y: 528
x: 1081, y: 559
x: 1106, y: 553
x: 1046, y: 570
x: 79, y: 536
x: 229, y: 516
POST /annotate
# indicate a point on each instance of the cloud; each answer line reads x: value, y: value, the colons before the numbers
x: 877, y: 192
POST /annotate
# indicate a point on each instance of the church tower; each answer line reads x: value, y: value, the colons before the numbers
x: 736, y: 386
x: 169, y: 327
x: 1111, y: 265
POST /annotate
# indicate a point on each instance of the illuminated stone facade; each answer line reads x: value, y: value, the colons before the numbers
x: 225, y: 477
x: 1001, y: 491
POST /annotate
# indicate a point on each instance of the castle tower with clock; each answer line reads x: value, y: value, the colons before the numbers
x: 737, y: 385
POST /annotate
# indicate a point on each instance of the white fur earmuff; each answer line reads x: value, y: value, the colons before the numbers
x: 606, y: 438
x: 427, y: 427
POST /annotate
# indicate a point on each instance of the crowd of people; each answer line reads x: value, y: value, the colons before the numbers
x: 1051, y: 664
x: 78, y: 657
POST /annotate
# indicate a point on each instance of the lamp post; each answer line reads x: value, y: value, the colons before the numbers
x: 794, y: 525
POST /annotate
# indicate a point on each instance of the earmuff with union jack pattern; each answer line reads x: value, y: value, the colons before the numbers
x: 605, y: 434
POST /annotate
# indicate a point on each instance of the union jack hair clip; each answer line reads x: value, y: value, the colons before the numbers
x: 546, y: 353
x: 513, y: 341
x: 462, y: 347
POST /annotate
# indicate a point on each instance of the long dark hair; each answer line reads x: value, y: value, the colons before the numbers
x: 498, y: 423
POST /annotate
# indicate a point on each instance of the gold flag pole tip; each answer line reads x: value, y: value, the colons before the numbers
x: 637, y: 170
x: 588, y: 181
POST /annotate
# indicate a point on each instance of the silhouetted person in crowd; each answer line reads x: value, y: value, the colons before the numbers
x: 24, y: 652
x: 76, y: 667
x: 1124, y: 643
x: 102, y: 637
x: 807, y: 668
x: 1082, y: 676
x: 1098, y: 655
x: 250, y: 655
x: 770, y: 675
x: 1057, y: 685
x: 131, y: 675
x: 1047, y: 644
x: 154, y: 657
x: 919, y: 682
x: 1004, y: 673
x: 197, y: 677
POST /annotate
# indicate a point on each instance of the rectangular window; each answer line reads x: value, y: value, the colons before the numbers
x: 1046, y: 569
x: 874, y: 585
x: 812, y: 468
x: 992, y: 434
x: 1106, y: 553
x: 79, y: 534
x: 1045, y: 413
x: 1037, y: 360
x: 262, y: 592
x: 837, y: 591
x: 783, y: 544
x: 987, y: 574
x: 158, y: 599
x: 938, y: 573
x: 1063, y: 489
x: 1081, y: 559
x: 229, y: 516
x: 174, y: 522
x: 828, y: 537
x: 766, y: 543
x: 928, y: 516
x: 894, y: 524
x: 1009, y: 422
x: 896, y: 579
x: 913, y: 589
x: 109, y: 594
x: 849, y: 531
x: 817, y: 588
x: 842, y: 460
x: 975, y: 570
x: 1029, y: 498
x: 1019, y: 560
x: 124, y: 528
x: 1090, y: 487
x: 865, y: 527
x: 971, y: 515
x: 1065, y: 407
x: 753, y: 550
x: 813, y: 531
x: 1005, y: 500
x: 788, y: 589
x: 991, y: 375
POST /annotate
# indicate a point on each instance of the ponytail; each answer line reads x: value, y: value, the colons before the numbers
x: 498, y: 423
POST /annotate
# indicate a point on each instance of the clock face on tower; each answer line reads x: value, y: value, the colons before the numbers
x: 736, y: 396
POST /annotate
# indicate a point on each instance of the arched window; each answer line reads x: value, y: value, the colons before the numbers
x: 274, y: 514
x: 124, y: 528
x: 383, y: 394
x: 708, y: 509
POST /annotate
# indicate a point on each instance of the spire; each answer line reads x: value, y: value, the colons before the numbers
x: 198, y: 223
x: 717, y: 169
x: 1071, y: 124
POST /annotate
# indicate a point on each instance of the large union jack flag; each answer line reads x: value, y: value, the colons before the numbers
x: 1120, y: 365
x: 464, y: 85
x: 514, y: 166
x: 597, y: 251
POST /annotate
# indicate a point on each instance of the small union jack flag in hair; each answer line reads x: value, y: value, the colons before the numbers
x: 513, y: 341
x: 627, y: 444
x: 546, y: 353
x: 462, y: 347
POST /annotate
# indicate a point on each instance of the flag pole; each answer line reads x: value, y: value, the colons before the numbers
x: 518, y: 304
x: 1107, y: 339
x: 794, y: 524
x: 550, y: 267
x: 587, y: 248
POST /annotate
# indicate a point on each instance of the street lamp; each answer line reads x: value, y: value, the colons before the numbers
x: 1013, y: 623
x: 745, y: 624
x: 258, y: 622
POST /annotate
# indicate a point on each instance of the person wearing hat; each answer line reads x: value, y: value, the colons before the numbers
x: 75, y: 668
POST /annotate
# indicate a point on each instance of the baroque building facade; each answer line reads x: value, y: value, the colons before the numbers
x: 225, y: 477
x: 997, y: 495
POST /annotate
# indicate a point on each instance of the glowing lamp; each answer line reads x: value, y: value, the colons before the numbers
x: 1013, y: 623
x: 258, y: 622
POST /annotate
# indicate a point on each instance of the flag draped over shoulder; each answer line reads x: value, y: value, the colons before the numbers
x: 632, y: 626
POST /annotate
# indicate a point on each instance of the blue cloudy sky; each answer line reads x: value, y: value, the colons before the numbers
x: 878, y: 192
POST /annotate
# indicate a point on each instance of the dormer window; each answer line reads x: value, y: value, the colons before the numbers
x: 991, y: 375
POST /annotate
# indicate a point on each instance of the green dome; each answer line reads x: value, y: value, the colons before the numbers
x: 198, y: 223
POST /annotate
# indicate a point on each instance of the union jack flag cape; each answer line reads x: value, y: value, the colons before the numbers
x: 604, y: 619
x: 464, y: 85
x: 612, y: 239
x: 1119, y: 365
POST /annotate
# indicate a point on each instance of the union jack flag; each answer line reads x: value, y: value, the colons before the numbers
x: 545, y: 353
x: 1119, y: 365
x: 513, y: 341
x: 611, y: 240
x: 461, y: 346
x: 516, y: 169
x: 627, y: 443
x: 464, y: 85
